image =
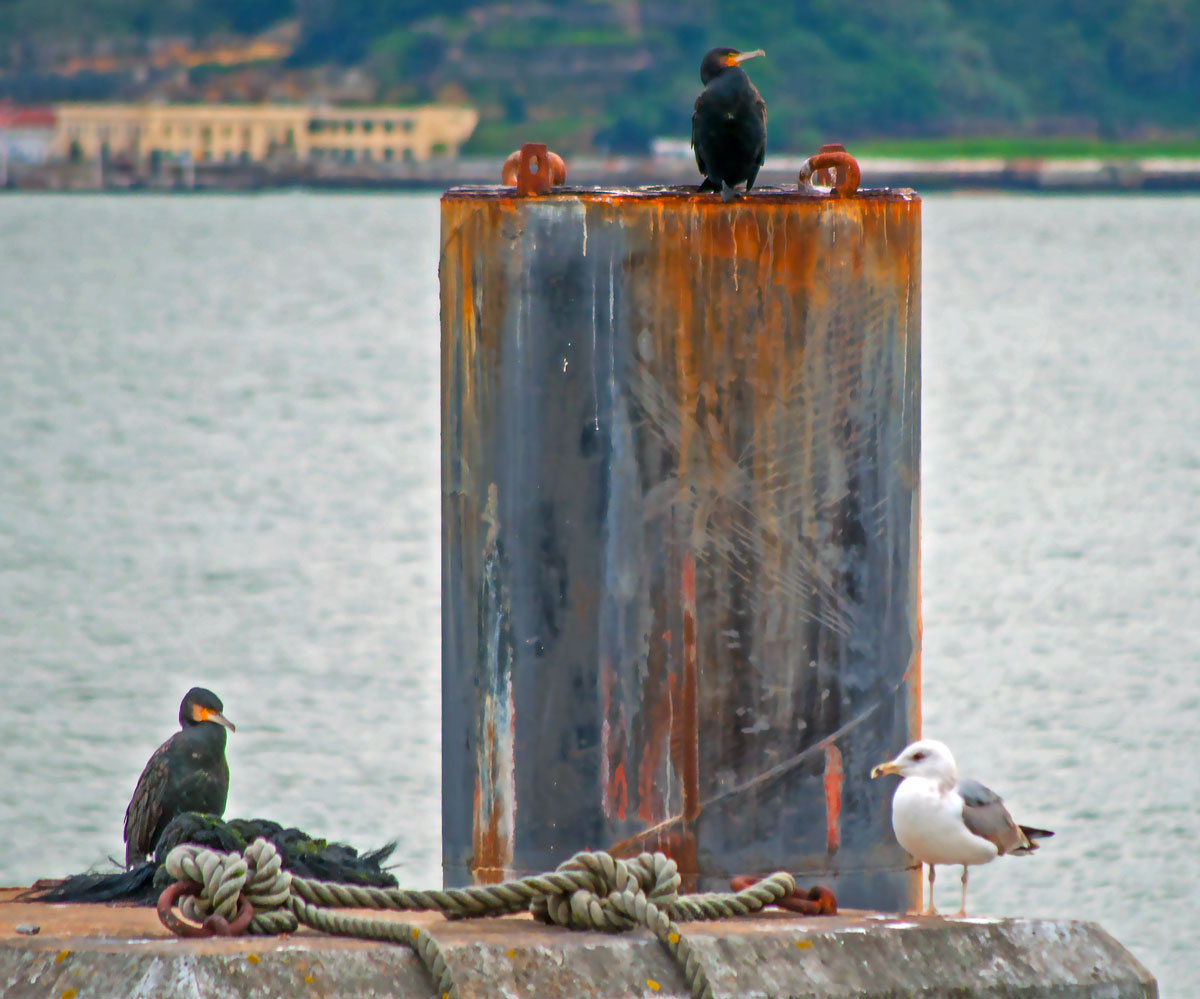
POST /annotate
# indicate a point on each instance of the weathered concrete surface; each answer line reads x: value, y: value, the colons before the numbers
x: 99, y: 951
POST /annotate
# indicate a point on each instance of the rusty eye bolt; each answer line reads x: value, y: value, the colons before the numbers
x: 533, y: 169
x: 830, y: 159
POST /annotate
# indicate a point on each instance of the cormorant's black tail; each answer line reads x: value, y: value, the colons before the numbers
x: 300, y: 853
x: 134, y: 885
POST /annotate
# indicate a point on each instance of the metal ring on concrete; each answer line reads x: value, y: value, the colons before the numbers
x: 214, y: 926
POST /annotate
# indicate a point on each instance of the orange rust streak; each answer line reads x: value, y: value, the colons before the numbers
x: 659, y: 723
x: 833, y: 798
x: 490, y: 849
x: 619, y: 791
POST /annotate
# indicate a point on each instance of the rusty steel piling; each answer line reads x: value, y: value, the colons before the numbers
x: 680, y: 528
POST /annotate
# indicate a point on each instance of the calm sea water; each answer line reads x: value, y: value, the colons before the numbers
x: 219, y: 465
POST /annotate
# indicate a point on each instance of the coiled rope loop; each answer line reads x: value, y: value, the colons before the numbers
x: 592, y: 891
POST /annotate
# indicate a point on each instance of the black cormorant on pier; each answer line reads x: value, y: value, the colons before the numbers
x: 187, y: 773
x: 729, y: 124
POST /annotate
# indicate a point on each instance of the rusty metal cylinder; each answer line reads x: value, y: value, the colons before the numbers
x: 680, y: 485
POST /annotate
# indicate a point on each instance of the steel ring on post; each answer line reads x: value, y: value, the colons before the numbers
x: 842, y: 162
x: 533, y: 169
x: 213, y: 926
x: 826, y: 177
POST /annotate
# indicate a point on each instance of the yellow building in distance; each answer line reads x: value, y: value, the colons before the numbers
x: 253, y: 133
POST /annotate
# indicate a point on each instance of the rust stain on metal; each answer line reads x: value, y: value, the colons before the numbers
x: 613, y: 747
x: 655, y: 743
x: 620, y: 791
x: 833, y: 798
x: 492, y: 849
x: 701, y: 420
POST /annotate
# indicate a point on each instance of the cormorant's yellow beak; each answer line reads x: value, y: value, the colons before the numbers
x: 884, y: 769
x: 208, y: 714
x: 740, y: 57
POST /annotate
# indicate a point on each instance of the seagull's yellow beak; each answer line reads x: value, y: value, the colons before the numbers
x: 884, y: 769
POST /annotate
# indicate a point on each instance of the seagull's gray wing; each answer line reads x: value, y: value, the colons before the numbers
x: 985, y: 815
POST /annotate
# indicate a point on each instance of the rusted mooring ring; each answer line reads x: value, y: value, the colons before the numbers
x: 832, y: 157
x: 214, y: 926
x: 817, y: 901
x: 533, y: 169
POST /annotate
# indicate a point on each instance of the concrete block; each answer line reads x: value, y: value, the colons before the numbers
x: 82, y: 952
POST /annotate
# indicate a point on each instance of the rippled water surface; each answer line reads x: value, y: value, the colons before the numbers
x: 219, y: 465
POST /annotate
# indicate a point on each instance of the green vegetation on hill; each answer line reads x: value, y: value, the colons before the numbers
x: 612, y: 73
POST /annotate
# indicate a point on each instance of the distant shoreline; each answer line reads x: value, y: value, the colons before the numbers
x: 1074, y: 175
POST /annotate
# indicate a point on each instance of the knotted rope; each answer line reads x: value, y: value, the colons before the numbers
x: 592, y: 891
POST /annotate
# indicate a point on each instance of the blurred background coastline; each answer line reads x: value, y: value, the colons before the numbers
x: 130, y: 94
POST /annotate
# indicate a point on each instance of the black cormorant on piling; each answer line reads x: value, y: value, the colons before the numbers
x: 187, y: 773
x: 729, y: 124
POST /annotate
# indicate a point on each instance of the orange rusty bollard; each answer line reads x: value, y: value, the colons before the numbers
x: 832, y: 157
x: 533, y: 169
x: 680, y: 484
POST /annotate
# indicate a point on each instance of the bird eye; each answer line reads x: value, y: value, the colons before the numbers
x: 918, y: 756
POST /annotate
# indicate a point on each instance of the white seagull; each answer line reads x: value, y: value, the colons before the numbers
x: 941, y: 819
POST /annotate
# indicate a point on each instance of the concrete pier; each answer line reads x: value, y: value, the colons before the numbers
x: 81, y: 952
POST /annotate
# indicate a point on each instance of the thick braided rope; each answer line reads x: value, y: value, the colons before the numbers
x: 385, y: 931
x: 645, y: 891
x: 723, y: 905
x: 475, y: 900
x: 592, y: 890
x: 260, y: 876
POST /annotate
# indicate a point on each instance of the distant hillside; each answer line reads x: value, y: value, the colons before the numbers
x: 613, y: 74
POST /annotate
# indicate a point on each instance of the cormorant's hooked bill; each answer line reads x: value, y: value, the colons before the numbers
x: 187, y: 773
x: 729, y: 123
